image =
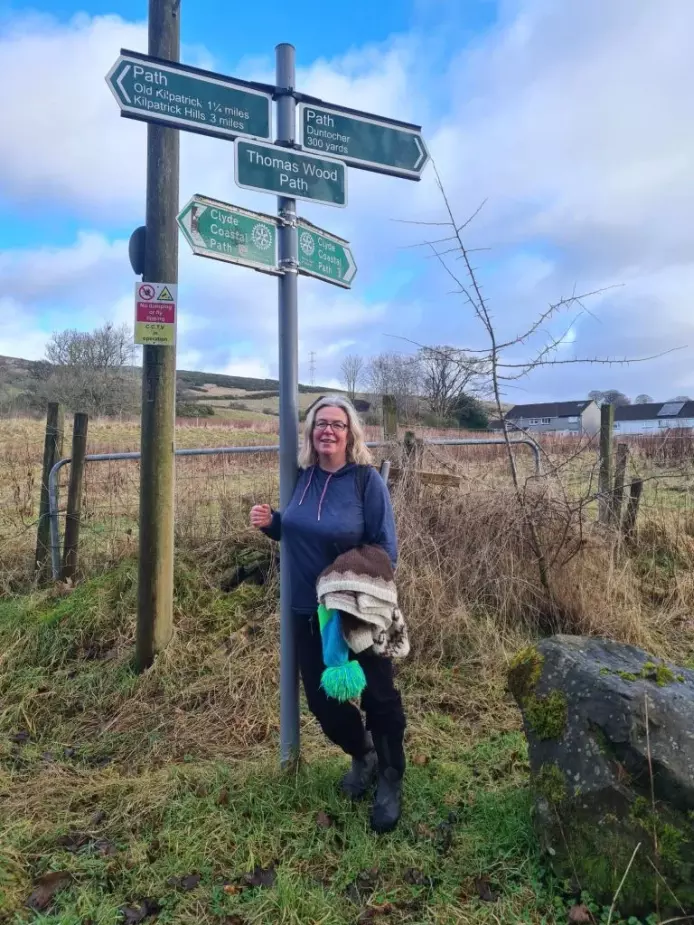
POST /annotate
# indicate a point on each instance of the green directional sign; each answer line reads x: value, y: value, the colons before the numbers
x: 188, y: 98
x: 363, y: 141
x: 325, y: 256
x: 286, y: 172
x: 225, y: 232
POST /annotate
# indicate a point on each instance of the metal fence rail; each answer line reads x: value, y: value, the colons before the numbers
x: 54, y: 477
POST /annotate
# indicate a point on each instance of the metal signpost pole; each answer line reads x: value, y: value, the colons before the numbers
x: 155, y: 586
x: 289, y: 406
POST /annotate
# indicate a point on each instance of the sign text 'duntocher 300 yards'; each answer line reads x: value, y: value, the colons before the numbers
x: 286, y: 172
x: 363, y: 141
x: 187, y: 98
x: 227, y: 232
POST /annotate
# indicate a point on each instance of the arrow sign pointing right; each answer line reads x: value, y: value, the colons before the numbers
x: 325, y: 256
x: 365, y: 141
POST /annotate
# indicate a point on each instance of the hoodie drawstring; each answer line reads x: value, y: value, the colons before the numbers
x: 325, y: 488
x: 308, y: 485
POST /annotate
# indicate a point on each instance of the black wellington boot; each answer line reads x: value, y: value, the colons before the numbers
x: 359, y: 780
x: 387, y: 806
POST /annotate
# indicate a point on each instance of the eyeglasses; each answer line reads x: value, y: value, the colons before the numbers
x: 337, y: 426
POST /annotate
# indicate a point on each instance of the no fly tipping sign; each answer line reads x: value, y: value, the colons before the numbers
x: 155, y: 314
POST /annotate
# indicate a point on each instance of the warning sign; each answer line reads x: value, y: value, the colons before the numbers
x: 155, y: 314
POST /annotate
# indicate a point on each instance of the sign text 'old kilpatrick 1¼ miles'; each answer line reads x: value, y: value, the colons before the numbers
x: 185, y: 97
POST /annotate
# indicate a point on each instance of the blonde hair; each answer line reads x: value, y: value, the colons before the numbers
x: 357, y: 450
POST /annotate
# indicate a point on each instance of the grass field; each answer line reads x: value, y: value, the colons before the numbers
x: 124, y: 797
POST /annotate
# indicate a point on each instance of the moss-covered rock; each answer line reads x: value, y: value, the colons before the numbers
x: 604, y: 784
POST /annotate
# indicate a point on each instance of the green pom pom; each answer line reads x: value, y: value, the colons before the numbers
x: 344, y: 682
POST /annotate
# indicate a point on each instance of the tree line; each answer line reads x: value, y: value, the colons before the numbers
x: 439, y: 385
x: 619, y: 399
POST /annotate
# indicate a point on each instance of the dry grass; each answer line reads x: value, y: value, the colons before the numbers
x: 180, y: 761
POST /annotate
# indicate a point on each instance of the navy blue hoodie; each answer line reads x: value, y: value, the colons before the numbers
x: 325, y: 518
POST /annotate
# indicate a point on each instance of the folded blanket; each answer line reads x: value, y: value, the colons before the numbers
x: 360, y: 584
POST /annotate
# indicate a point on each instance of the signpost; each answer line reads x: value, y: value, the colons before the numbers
x: 274, y: 169
x: 364, y: 141
x: 157, y: 89
x: 325, y: 256
x: 226, y: 232
x: 184, y: 97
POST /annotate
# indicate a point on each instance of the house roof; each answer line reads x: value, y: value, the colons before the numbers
x: 652, y: 411
x: 555, y: 409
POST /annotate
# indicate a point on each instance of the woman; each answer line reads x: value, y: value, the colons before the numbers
x: 341, y: 502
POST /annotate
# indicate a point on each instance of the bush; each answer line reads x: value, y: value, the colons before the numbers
x: 471, y: 414
x: 190, y: 409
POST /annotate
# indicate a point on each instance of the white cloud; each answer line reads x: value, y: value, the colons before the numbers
x: 576, y: 120
x: 253, y: 367
x: 18, y: 336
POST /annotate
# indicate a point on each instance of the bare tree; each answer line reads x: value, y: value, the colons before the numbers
x: 610, y: 397
x: 643, y: 399
x: 506, y: 367
x: 352, y: 369
x: 91, y: 371
x: 398, y: 375
x: 447, y: 374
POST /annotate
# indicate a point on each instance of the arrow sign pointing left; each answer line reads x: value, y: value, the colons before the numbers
x: 187, y: 98
x: 226, y: 232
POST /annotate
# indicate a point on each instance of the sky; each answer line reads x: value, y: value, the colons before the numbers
x: 572, y: 122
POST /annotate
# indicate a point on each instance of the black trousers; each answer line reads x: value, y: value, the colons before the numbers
x: 342, y: 722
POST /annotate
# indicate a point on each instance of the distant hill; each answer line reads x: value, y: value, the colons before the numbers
x: 19, y: 380
x: 191, y: 380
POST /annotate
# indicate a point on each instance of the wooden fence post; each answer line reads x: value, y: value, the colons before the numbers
x: 619, y: 479
x: 605, y: 478
x: 632, y: 512
x: 74, y: 498
x: 52, y: 452
x: 390, y: 418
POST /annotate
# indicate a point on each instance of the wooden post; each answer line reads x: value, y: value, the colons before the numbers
x: 414, y: 450
x: 390, y: 418
x: 619, y: 479
x: 52, y: 452
x: 74, y: 498
x: 605, y: 478
x: 632, y: 511
x: 155, y: 579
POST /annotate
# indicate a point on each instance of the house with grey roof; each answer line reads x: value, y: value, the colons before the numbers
x: 562, y: 417
x: 655, y: 417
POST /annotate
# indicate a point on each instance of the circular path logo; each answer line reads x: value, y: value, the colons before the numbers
x: 261, y: 237
x: 306, y: 243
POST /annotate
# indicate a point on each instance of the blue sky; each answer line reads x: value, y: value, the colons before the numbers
x: 573, y: 120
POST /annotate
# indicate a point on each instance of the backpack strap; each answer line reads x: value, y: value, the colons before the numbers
x: 360, y: 481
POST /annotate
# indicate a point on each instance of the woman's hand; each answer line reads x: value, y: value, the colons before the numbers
x: 261, y: 516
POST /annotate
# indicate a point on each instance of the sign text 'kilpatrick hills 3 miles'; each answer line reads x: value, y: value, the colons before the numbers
x: 187, y: 98
x: 362, y: 140
x: 288, y: 172
x: 227, y: 232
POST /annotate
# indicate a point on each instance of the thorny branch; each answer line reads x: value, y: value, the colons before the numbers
x: 505, y: 371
